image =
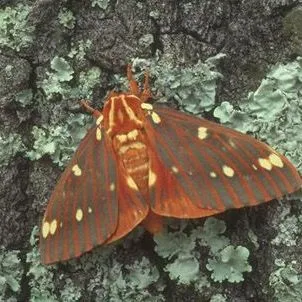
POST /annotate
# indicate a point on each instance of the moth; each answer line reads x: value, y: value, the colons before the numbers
x: 141, y: 162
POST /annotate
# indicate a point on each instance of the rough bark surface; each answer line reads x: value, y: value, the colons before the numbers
x: 250, y: 33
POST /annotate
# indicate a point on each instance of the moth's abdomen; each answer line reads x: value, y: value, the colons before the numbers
x: 131, y: 150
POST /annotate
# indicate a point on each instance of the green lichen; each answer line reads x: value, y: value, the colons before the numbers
x: 87, y: 81
x: 78, y: 50
x: 289, y: 231
x: 171, y: 244
x: 70, y: 292
x: 230, y: 264
x: 59, y: 141
x: 194, y: 88
x: 42, y: 284
x: 25, y: 97
x: 211, y: 235
x: 15, y: 32
x: 154, y: 14
x: 66, y: 18
x: 286, y: 283
x: 10, y: 145
x: 218, y: 298
x: 58, y: 81
x: 103, y: 4
x: 110, y: 279
x: 146, y: 40
x: 62, y: 69
x: 185, y: 269
x: 227, y: 262
x: 273, y: 112
x: 180, y: 249
x: 11, y: 271
x: 114, y: 281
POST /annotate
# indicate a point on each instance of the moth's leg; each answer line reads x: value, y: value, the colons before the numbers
x: 95, y: 113
x: 133, y: 85
x: 146, y: 94
x: 153, y: 223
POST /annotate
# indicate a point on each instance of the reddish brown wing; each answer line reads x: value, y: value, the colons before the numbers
x: 132, y: 207
x: 86, y: 205
x: 203, y: 168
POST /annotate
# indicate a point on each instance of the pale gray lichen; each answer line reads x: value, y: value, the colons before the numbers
x: 226, y: 261
x: 58, y: 80
x: 179, y: 249
x: 78, y: 49
x: 211, y: 234
x: 24, y: 97
x: 66, y: 18
x: 146, y: 40
x: 59, y: 141
x: 42, y: 284
x: 193, y: 87
x: 273, y: 112
x: 103, y: 4
x: 10, y: 145
x: 15, y: 32
x: 286, y: 282
x: 289, y: 231
x: 11, y: 271
x: 218, y: 298
x: 230, y: 264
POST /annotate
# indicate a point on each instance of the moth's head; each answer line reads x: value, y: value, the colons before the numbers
x: 122, y: 113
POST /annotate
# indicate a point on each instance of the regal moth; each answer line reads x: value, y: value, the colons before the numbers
x: 141, y: 162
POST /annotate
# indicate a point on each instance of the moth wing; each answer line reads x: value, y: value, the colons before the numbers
x: 203, y: 168
x: 132, y: 206
x: 83, y: 210
x: 91, y: 204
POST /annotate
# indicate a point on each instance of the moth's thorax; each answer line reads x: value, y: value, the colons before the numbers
x: 123, y: 122
x: 122, y: 113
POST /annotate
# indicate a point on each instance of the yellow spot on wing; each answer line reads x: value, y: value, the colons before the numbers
x: 152, y: 178
x: 202, y: 132
x: 45, y: 229
x: 53, y: 226
x: 232, y: 144
x: 275, y: 160
x: 79, y: 215
x: 265, y: 163
x: 112, y: 186
x: 254, y: 167
x: 213, y: 174
x: 99, y: 120
x: 98, y: 134
x: 76, y: 170
x: 131, y: 183
x: 89, y: 210
x: 146, y: 106
x: 175, y: 169
x: 228, y: 171
x: 155, y: 117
